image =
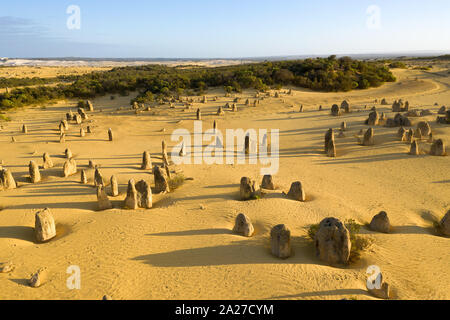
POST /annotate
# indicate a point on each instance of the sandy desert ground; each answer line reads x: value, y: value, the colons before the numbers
x: 46, y: 71
x: 183, y: 247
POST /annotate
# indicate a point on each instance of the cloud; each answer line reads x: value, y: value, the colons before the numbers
x: 15, y: 26
x: 21, y: 37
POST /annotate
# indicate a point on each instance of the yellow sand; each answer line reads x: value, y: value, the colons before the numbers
x: 46, y: 72
x: 183, y: 248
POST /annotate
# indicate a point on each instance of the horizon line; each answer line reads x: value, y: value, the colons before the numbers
x: 415, y: 53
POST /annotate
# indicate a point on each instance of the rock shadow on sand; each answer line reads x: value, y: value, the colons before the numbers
x: 316, y: 294
x: 256, y: 251
x: 201, y: 232
x: 18, y: 233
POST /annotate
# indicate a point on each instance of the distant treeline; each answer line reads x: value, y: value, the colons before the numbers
x: 443, y: 58
x: 156, y: 81
x: 35, y: 81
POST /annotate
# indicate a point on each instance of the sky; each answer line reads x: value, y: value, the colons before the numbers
x: 220, y: 29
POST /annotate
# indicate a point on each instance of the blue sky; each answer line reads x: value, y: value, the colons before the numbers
x: 228, y: 29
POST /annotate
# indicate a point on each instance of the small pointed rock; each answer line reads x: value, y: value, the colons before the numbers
x: 297, y: 192
x: 331, y: 152
x: 70, y: 168
x: 243, y: 225
x: 332, y: 241
x: 110, y: 134
x: 445, y: 224
x: 44, y: 228
x: 92, y: 164
x: 114, y: 186
x: 131, y: 201
x: 39, y: 278
x: 182, y: 152
x: 102, y: 199
x: 328, y: 136
x: 161, y: 180
x: 7, y: 181
x: 382, y: 293
x: 68, y: 153
x: 7, y: 267
x: 401, y: 132
x: 98, y: 178
x: 380, y: 223
x: 267, y: 182
x: 48, y: 163
x: 35, y: 175
x: 146, y: 161
x: 280, y: 239
x: 438, y: 148
x: 414, y: 150
x: 144, y: 195
x: 84, y: 179
x: 247, y: 189
x: 369, y: 138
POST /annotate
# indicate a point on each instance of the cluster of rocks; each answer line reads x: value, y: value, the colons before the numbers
x: 374, y: 118
x: 338, y: 111
x: 138, y: 195
x: 86, y: 105
x: 399, y: 106
x: 248, y: 190
x: 398, y: 121
x: 438, y: 148
x: 445, y: 119
x: 418, y: 113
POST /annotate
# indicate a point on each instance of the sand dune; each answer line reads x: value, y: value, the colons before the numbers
x: 183, y: 247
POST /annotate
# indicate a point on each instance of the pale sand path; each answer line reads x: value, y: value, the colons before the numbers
x: 179, y: 251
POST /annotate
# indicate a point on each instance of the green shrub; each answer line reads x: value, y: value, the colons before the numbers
x: 4, y: 117
x: 398, y: 65
x: 176, y: 181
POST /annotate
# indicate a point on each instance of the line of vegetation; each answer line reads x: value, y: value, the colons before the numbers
x: 444, y: 57
x: 320, y: 74
x: 398, y: 65
x: 35, y: 81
